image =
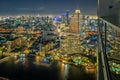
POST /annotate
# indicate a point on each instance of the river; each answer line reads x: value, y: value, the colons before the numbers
x: 31, y: 69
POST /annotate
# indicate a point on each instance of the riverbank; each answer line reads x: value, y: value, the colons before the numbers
x: 75, y: 64
x: 7, y: 58
x: 4, y: 59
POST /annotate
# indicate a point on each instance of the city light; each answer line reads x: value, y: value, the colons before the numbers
x: 42, y: 40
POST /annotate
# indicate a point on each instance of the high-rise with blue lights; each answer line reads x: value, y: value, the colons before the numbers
x: 67, y: 17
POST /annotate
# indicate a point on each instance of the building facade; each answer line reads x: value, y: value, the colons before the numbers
x: 75, y: 22
x: 110, y: 11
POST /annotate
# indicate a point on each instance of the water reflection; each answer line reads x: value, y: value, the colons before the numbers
x: 64, y: 71
x: 37, y: 59
x: 31, y: 68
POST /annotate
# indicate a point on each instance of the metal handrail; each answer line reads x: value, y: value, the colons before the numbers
x: 117, y: 28
x: 105, y: 66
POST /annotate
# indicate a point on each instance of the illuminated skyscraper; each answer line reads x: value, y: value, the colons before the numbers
x: 65, y: 18
x: 75, y: 22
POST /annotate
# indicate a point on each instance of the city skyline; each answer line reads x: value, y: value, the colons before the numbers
x: 16, y: 7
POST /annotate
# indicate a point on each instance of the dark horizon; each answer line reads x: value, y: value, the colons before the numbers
x: 34, y: 7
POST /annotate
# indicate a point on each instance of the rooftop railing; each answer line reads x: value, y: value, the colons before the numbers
x: 108, y: 41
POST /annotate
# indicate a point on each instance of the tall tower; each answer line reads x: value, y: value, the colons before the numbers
x: 67, y: 17
x: 75, y: 22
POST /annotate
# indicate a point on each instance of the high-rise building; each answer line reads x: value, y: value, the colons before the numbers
x: 65, y: 18
x: 75, y: 22
x: 109, y: 10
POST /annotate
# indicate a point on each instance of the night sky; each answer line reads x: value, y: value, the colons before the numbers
x: 15, y: 7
